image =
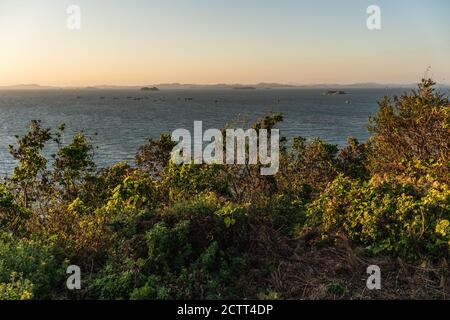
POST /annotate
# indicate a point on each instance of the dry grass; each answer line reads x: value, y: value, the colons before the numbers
x: 303, y: 269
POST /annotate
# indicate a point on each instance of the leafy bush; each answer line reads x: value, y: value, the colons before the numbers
x: 33, y: 261
x: 136, y: 191
x: 393, y: 216
x: 12, y: 215
x: 116, y: 280
x: 73, y: 164
x: 192, y: 252
x: 154, y: 156
x: 412, y: 131
x: 287, y: 210
x: 16, y: 289
x: 313, y: 163
x: 187, y: 180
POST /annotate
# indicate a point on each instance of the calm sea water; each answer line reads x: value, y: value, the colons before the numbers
x: 119, y: 123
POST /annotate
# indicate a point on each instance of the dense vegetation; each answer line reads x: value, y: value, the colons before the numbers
x: 162, y: 231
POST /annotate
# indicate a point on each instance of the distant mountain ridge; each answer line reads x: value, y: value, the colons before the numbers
x: 259, y: 86
x: 29, y: 87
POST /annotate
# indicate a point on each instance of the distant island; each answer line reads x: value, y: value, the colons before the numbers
x: 244, y: 88
x: 149, y: 89
x: 334, y: 93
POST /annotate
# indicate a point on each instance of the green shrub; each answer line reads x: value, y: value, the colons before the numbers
x: 193, y: 251
x: 32, y: 260
x: 313, y: 163
x: 12, y: 215
x: 287, y: 210
x: 137, y: 191
x: 393, y: 216
x: 16, y: 289
x: 153, y: 289
x: 117, y: 279
x: 73, y: 165
x: 187, y: 180
x: 410, y: 130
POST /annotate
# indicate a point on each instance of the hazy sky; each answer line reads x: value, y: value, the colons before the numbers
x: 137, y: 42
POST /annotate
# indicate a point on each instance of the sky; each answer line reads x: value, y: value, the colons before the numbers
x: 141, y: 42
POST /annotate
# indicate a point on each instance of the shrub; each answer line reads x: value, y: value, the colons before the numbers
x: 12, y: 215
x: 396, y: 217
x: 31, y: 177
x: 352, y: 159
x: 287, y: 210
x: 412, y: 131
x: 309, y: 164
x: 155, y: 155
x: 186, y: 180
x: 193, y: 251
x: 137, y: 191
x: 78, y: 233
x: 16, y: 289
x: 33, y: 261
x: 116, y: 280
x: 73, y: 165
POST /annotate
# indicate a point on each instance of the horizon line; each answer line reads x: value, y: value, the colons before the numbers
x: 225, y: 84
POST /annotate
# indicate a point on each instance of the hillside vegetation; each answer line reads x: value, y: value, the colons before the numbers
x: 158, y: 230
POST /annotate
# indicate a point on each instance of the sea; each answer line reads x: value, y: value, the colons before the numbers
x: 119, y: 121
